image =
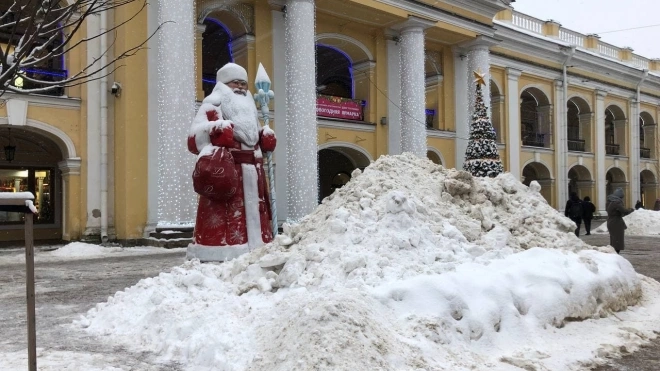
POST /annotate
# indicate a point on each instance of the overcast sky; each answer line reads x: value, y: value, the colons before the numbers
x: 601, y: 16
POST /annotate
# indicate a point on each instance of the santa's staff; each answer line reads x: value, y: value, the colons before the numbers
x: 263, y: 96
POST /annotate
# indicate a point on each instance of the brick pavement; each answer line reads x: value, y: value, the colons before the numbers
x: 644, y: 254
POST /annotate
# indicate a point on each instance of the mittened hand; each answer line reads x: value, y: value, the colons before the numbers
x: 267, y: 140
x: 222, y: 136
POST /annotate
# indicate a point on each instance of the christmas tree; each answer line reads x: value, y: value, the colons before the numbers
x: 481, y: 157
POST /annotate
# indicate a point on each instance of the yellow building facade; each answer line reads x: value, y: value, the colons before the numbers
x: 570, y: 111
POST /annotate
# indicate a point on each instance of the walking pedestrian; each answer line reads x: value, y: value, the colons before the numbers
x: 615, y: 223
x: 656, y: 207
x: 588, y: 210
x: 574, y: 211
x: 638, y: 205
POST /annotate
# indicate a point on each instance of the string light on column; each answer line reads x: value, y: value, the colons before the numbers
x: 301, y: 131
x: 413, y: 92
x: 176, y: 109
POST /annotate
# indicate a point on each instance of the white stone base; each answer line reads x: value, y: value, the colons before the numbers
x: 215, y: 253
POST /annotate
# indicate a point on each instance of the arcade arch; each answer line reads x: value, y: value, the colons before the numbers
x: 535, y: 118
x: 336, y: 162
x: 615, y: 131
x: 540, y: 173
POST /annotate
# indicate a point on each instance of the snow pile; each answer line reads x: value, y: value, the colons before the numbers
x: 640, y: 223
x: 409, y: 266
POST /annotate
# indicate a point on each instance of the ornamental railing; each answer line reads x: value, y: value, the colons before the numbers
x: 576, y: 145
x: 572, y: 37
x: 535, y: 139
x: 645, y: 152
x: 590, y: 42
x: 640, y: 62
x: 612, y: 149
x: 608, y: 50
x: 528, y: 22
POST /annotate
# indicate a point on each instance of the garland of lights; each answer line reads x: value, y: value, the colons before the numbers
x: 176, y: 106
x: 301, y: 131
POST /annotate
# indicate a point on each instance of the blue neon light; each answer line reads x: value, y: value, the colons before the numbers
x: 229, y: 44
x: 350, y: 65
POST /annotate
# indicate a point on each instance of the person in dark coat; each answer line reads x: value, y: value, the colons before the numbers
x: 615, y: 223
x: 656, y: 207
x: 588, y: 210
x: 574, y: 211
x: 638, y: 205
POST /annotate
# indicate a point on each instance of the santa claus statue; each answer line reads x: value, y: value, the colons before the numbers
x: 233, y: 216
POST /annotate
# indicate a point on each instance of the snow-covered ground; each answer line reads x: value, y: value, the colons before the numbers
x: 79, y: 250
x: 408, y: 267
x: 640, y: 223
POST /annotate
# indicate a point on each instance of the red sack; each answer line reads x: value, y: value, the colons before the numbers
x: 215, y: 175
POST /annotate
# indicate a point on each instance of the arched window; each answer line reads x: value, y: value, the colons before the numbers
x: 216, y: 52
x: 573, y: 117
x: 334, y: 72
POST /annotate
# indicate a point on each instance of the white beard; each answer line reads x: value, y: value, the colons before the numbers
x: 241, y: 110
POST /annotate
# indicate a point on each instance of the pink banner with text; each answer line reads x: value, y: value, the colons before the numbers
x: 339, y: 108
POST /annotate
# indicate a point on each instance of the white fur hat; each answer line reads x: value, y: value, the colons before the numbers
x: 230, y: 72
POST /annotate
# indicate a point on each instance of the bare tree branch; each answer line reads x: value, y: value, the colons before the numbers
x: 38, y: 33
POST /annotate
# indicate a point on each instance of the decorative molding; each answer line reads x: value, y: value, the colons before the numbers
x: 70, y: 166
x: 438, y: 153
x: 439, y: 15
x: 345, y: 125
x: 60, y: 138
x: 413, y: 23
x: 17, y: 112
x: 512, y: 73
x: 440, y: 134
x: 44, y: 100
x: 345, y: 38
x: 481, y: 42
x: 353, y: 146
x: 244, y: 13
x: 530, y: 149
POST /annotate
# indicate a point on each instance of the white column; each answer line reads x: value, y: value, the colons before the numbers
x: 600, y: 150
x: 413, y: 87
x: 279, y: 106
x: 394, y: 93
x: 93, y: 224
x: 513, y: 124
x: 153, y: 177
x: 461, y: 104
x: 561, y: 144
x: 634, y: 155
x: 176, y: 108
x: 302, y: 167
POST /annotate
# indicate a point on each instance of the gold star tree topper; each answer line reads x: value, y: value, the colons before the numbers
x: 479, y: 78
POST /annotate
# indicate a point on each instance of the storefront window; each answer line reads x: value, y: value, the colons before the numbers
x: 35, y: 180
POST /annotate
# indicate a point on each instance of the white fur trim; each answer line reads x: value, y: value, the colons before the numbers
x: 215, y: 253
x: 251, y: 201
x: 231, y: 71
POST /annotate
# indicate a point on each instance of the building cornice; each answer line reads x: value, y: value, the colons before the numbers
x: 44, y: 100
x: 438, y: 15
x: 574, y: 80
x: 542, y: 47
